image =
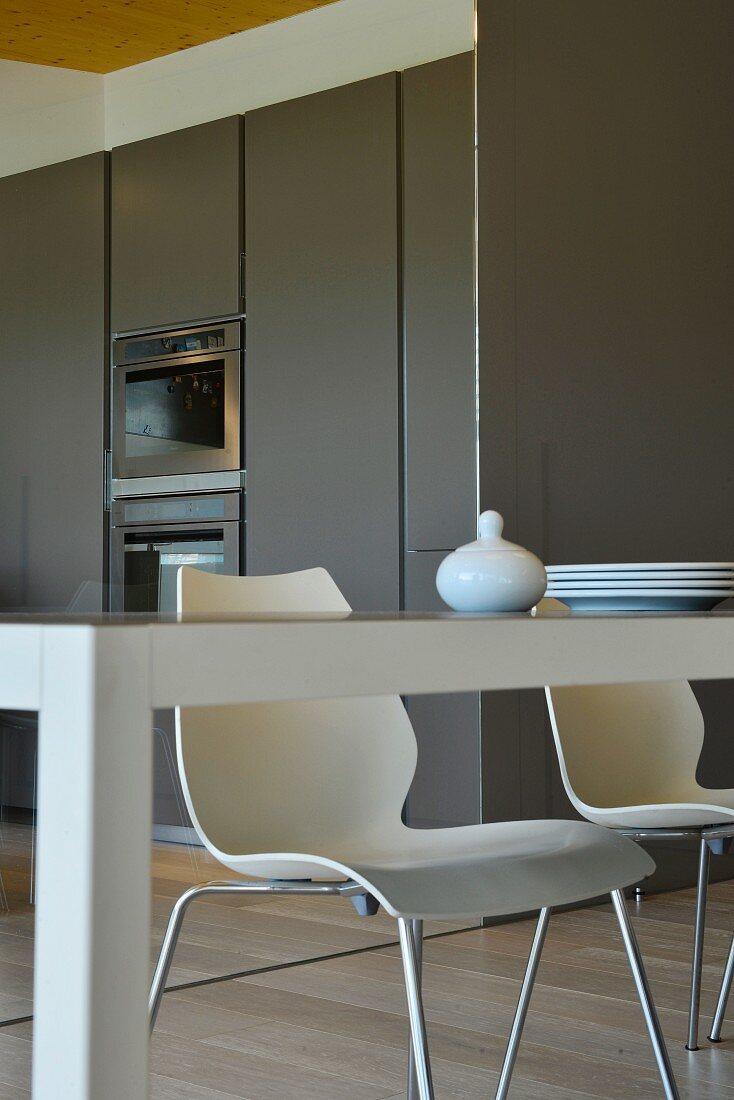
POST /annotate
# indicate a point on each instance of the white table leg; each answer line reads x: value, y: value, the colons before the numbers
x: 94, y: 829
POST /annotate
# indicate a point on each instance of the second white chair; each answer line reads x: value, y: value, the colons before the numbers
x: 628, y: 755
x: 306, y: 798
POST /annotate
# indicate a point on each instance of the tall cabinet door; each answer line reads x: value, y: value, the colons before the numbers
x: 440, y: 405
x: 323, y: 364
x: 176, y: 227
x: 606, y: 170
x: 52, y: 356
x: 438, y: 282
x: 52, y: 373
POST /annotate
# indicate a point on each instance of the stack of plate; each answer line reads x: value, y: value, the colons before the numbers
x: 643, y: 586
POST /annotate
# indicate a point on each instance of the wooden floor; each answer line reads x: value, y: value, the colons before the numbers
x: 336, y: 1028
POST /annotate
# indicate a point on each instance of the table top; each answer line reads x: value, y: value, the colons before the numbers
x: 107, y: 619
x: 209, y: 660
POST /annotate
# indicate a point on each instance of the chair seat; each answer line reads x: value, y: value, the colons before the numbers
x: 690, y: 808
x: 477, y: 870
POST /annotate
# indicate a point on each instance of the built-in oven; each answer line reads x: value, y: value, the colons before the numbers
x: 151, y: 537
x: 176, y: 407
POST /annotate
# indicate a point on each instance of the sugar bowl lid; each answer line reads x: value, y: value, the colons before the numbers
x: 490, y: 535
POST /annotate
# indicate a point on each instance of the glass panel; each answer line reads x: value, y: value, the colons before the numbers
x: 169, y: 413
x: 156, y: 347
x: 151, y: 568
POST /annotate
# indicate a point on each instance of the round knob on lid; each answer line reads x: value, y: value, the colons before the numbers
x: 490, y: 525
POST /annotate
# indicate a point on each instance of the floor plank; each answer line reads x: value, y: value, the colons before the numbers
x: 304, y: 1023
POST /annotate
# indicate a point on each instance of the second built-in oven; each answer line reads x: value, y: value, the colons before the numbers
x: 176, y: 403
x: 151, y: 538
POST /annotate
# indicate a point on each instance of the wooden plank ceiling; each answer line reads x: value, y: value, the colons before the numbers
x: 102, y: 35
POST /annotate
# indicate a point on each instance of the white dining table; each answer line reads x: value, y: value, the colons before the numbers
x: 95, y: 681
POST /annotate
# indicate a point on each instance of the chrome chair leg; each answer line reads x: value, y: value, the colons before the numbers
x: 417, y: 930
x: 295, y: 887
x: 704, y: 858
x: 165, y: 958
x: 415, y: 1010
x: 643, y: 991
x: 715, y: 1033
x: 522, y: 1005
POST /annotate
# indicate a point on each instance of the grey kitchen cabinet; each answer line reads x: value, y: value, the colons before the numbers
x: 52, y: 369
x: 446, y: 788
x: 438, y: 289
x: 176, y: 227
x: 605, y: 287
x: 18, y: 749
x: 52, y: 414
x: 171, y: 819
x: 440, y: 423
x: 322, y: 374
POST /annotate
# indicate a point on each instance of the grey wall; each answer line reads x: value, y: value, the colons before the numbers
x: 52, y: 374
x: 606, y: 169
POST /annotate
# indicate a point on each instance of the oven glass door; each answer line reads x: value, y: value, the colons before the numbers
x: 177, y: 417
x: 145, y: 563
x: 151, y: 560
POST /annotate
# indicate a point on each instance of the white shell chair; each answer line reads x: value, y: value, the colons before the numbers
x: 628, y: 755
x: 306, y: 798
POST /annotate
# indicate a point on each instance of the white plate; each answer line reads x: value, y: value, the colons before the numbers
x: 638, y: 599
x: 640, y: 574
x: 636, y: 582
x: 636, y: 567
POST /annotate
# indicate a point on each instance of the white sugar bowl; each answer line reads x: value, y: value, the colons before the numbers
x: 491, y: 574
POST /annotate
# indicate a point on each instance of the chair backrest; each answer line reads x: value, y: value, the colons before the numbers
x: 290, y: 777
x: 624, y: 744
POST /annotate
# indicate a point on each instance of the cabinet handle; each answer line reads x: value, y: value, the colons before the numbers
x: 242, y: 275
x: 545, y: 502
x: 107, y: 480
